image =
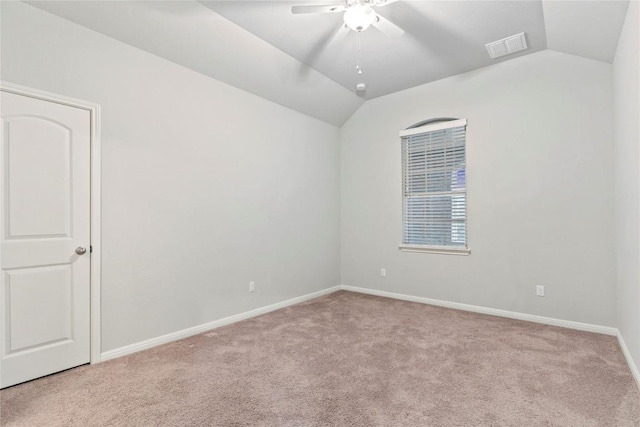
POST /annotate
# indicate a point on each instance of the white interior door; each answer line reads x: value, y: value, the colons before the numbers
x: 45, y: 208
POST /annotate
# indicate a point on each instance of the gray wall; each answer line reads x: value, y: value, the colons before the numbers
x: 540, y: 180
x: 205, y: 187
x: 626, y: 95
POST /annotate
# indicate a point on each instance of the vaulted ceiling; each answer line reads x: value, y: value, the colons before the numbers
x: 305, y: 62
x: 440, y: 38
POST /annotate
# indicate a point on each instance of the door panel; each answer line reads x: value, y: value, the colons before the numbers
x: 44, y: 285
x: 34, y: 143
x: 39, y: 303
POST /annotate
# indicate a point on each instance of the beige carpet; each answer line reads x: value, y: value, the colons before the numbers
x: 348, y: 360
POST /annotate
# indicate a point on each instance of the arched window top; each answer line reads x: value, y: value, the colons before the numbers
x: 432, y: 121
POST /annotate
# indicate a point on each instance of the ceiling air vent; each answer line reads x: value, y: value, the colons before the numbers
x: 507, y: 46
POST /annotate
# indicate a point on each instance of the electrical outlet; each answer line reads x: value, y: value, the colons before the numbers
x: 540, y: 290
x: 252, y: 286
x: 383, y: 272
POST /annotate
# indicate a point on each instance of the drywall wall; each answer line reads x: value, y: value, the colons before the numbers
x: 191, y: 34
x: 540, y: 200
x: 626, y: 96
x: 205, y: 187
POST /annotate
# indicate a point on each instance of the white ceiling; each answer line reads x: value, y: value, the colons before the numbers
x: 187, y: 33
x: 442, y: 38
x: 297, y: 60
x: 585, y: 28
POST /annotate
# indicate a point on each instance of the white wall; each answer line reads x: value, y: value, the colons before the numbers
x: 626, y: 95
x: 205, y: 187
x: 540, y: 179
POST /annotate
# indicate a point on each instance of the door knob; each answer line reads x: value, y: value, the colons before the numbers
x: 81, y: 250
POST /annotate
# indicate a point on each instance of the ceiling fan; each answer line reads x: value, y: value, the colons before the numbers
x: 358, y: 15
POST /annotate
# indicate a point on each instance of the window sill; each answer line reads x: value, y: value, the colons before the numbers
x: 442, y: 250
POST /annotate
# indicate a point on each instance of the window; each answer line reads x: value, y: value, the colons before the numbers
x: 434, y: 186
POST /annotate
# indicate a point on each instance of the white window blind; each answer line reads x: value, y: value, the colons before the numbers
x: 434, y: 187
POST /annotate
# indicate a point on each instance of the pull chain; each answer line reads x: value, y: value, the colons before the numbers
x: 358, y: 69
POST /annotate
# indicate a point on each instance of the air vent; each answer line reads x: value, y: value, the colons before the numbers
x: 507, y: 46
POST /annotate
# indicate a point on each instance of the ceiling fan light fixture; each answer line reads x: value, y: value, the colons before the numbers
x: 359, y: 17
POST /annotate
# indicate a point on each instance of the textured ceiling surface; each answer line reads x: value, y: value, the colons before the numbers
x: 441, y: 39
x: 307, y: 63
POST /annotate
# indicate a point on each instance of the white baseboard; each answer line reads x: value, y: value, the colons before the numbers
x: 185, y: 333
x: 491, y: 311
x: 606, y: 330
x: 630, y: 361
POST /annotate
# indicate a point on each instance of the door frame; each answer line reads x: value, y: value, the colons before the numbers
x: 95, y: 211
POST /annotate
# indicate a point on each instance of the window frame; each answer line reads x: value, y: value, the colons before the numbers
x: 421, y: 128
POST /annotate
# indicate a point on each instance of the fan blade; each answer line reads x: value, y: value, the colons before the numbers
x: 383, y: 2
x: 388, y: 27
x: 327, y: 8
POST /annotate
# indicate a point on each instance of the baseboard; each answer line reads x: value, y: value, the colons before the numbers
x: 627, y: 355
x: 491, y: 311
x: 185, y: 333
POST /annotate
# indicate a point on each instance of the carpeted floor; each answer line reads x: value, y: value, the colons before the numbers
x: 348, y: 360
